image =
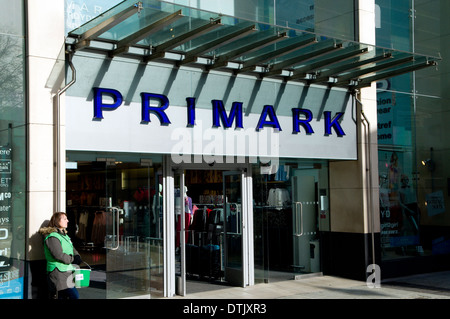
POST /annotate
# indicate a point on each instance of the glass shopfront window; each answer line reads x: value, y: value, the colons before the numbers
x: 432, y: 115
x: 411, y: 122
x: 393, y: 24
x: 432, y: 178
x: 12, y: 150
x: 114, y: 203
x: 399, y: 210
x: 78, y: 12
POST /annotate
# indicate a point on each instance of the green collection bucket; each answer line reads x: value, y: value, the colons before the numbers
x: 82, y: 277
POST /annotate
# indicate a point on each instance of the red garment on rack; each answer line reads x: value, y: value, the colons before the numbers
x: 187, y: 223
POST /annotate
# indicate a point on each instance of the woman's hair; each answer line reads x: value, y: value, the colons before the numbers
x: 54, y: 221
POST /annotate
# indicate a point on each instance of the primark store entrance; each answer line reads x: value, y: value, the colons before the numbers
x: 243, y: 223
x: 198, y: 145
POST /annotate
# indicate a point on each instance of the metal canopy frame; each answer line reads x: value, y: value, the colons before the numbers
x: 300, y: 42
x: 320, y: 49
x: 92, y: 33
x: 315, y: 66
x: 252, y: 46
x: 152, y: 30
x: 124, y: 44
x: 183, y: 38
x: 193, y: 55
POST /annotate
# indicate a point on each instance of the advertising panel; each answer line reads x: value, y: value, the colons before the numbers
x: 11, y: 282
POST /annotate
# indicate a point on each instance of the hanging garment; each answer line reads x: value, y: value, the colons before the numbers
x: 282, y: 173
x: 187, y: 224
x: 99, y: 228
x: 82, y: 226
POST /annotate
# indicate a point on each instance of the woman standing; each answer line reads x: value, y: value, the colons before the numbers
x: 60, y: 255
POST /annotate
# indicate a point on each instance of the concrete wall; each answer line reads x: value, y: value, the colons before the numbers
x: 45, y: 42
x: 349, y: 181
x: 347, y: 248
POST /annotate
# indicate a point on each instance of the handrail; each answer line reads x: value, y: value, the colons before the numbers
x: 301, y: 219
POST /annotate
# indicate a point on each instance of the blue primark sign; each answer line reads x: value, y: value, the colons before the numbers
x: 301, y: 117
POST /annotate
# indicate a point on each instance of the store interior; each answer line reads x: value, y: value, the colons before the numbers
x: 115, y: 222
x: 213, y: 233
x: 128, y: 254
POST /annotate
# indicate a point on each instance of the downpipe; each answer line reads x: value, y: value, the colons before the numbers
x: 366, y: 125
x: 57, y: 154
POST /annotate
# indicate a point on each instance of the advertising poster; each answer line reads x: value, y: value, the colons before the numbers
x: 399, y: 211
x: 11, y: 281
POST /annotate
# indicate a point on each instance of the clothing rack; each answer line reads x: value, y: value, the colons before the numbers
x: 88, y: 225
x: 204, y: 245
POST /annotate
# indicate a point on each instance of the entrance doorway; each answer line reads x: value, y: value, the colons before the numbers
x: 290, y: 211
x: 114, y: 206
x: 243, y: 223
x: 211, y: 241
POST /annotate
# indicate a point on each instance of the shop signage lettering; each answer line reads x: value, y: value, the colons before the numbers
x: 301, y: 117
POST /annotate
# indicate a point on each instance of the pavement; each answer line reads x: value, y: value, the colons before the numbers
x: 309, y: 295
x: 320, y: 296
x: 434, y: 285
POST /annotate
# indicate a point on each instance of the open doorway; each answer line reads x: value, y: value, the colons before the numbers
x: 211, y: 232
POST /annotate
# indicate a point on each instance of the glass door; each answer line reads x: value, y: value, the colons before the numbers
x: 233, y: 228
x: 116, y: 210
x: 128, y: 242
x: 209, y: 232
x: 182, y: 221
x: 305, y: 225
x: 290, y: 210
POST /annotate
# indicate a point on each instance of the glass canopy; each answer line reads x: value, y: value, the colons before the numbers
x: 154, y: 30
